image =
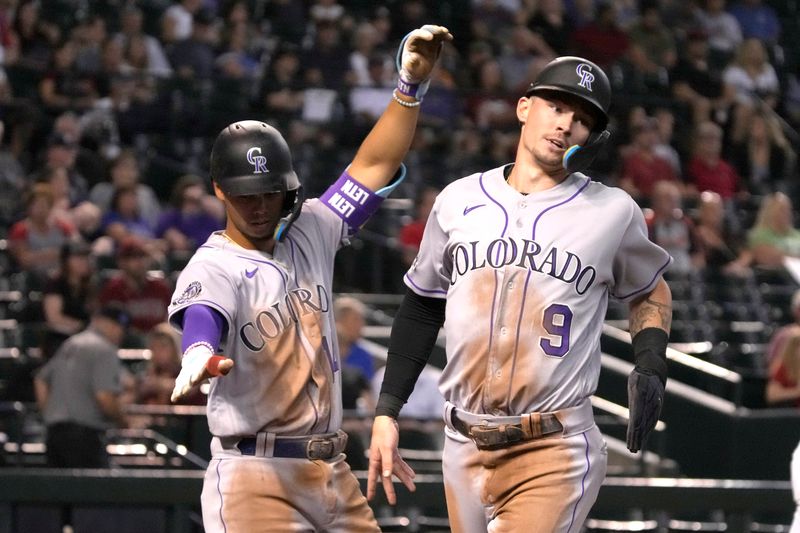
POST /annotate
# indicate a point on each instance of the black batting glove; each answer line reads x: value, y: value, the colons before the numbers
x: 646, y: 385
x: 645, y: 398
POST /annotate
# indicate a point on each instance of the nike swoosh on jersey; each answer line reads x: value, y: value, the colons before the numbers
x: 251, y: 273
x: 474, y: 207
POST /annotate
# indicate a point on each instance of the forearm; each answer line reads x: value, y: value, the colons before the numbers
x: 388, y: 142
x: 414, y: 332
x: 652, y: 311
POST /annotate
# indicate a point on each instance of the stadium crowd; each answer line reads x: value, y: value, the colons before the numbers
x: 108, y: 109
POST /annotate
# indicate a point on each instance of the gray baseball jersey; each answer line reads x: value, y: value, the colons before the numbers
x: 280, y: 328
x: 526, y: 279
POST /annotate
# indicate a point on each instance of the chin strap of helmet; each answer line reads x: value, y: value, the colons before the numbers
x: 577, y: 158
x: 294, y: 211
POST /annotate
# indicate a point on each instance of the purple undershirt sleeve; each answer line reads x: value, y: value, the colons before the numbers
x: 202, y: 324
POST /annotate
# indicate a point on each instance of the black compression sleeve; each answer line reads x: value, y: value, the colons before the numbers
x: 650, y: 352
x: 414, y: 333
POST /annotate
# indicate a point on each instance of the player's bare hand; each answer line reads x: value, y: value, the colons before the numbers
x: 385, y: 460
x: 420, y: 50
x: 197, y: 367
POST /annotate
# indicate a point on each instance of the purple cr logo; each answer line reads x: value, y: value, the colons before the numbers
x: 585, y: 72
x: 259, y: 162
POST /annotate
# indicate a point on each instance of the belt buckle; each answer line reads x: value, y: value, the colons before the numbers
x: 320, y: 449
x: 492, y: 437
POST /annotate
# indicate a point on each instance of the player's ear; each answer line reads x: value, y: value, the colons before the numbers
x: 218, y: 192
x: 523, y: 106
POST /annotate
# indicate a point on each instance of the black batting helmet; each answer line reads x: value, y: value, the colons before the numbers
x: 251, y: 157
x: 585, y: 80
x: 578, y: 77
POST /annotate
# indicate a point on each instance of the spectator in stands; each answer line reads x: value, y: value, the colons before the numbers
x: 642, y: 167
x: 12, y: 183
x: 178, y: 19
x: 349, y: 313
x: 777, y: 341
x: 365, y: 40
x: 724, y: 33
x: 723, y: 250
x: 753, y: 81
x: 194, y: 215
x: 193, y: 57
x: 62, y: 152
x: 63, y: 88
x: 410, y: 235
x: 671, y: 229
x: 68, y: 296
x: 757, y: 21
x: 124, y: 171
x: 35, y: 241
x: 602, y: 40
x: 236, y: 60
x: 525, y: 54
x: 326, y: 60
x: 357, y: 365
x: 146, y: 296
x: 283, y: 88
x: 154, y: 385
x: 697, y: 82
x: 774, y: 236
x: 665, y: 119
x: 707, y: 170
x: 78, y: 392
x: 652, y: 48
x: 550, y: 20
x: 89, y: 36
x: 124, y: 220
x: 490, y: 20
x: 783, y: 384
x: 131, y: 29
x: 37, y: 37
x: 762, y: 154
x: 491, y: 105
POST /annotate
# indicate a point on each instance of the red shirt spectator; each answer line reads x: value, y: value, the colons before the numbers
x: 642, y: 167
x: 707, y: 171
x: 145, y: 297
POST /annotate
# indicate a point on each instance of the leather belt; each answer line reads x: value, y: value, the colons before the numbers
x: 504, y: 431
x: 313, y: 447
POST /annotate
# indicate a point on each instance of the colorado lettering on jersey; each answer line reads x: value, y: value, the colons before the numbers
x: 269, y: 323
x: 524, y: 253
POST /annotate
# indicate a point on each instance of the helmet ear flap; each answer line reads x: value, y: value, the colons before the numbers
x: 292, y: 204
x: 578, y: 158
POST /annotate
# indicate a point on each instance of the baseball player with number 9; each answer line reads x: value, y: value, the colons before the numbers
x: 518, y: 262
x: 254, y: 308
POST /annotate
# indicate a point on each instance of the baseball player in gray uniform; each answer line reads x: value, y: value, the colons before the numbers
x: 254, y: 308
x: 518, y: 262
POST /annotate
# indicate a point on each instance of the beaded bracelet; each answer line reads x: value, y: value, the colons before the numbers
x: 403, y: 102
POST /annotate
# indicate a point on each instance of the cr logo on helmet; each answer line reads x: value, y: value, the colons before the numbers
x: 259, y: 162
x: 584, y: 71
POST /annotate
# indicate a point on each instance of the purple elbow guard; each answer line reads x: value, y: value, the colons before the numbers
x: 351, y: 201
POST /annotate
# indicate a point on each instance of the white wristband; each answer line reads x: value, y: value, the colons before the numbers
x: 403, y: 102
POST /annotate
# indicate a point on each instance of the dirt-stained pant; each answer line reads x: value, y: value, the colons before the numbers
x: 540, y: 486
x: 265, y: 494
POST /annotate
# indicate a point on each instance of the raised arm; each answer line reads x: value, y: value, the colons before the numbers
x: 384, y: 148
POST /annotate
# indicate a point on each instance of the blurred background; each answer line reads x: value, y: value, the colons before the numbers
x: 107, y: 113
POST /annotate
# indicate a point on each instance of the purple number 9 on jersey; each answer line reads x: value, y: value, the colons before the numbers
x: 557, y: 321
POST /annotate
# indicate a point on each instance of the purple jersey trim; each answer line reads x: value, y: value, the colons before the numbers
x: 545, y: 210
x: 658, y: 273
x: 420, y: 289
x: 351, y: 201
x: 219, y: 491
x: 583, y: 483
x: 505, y: 213
x: 202, y: 324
